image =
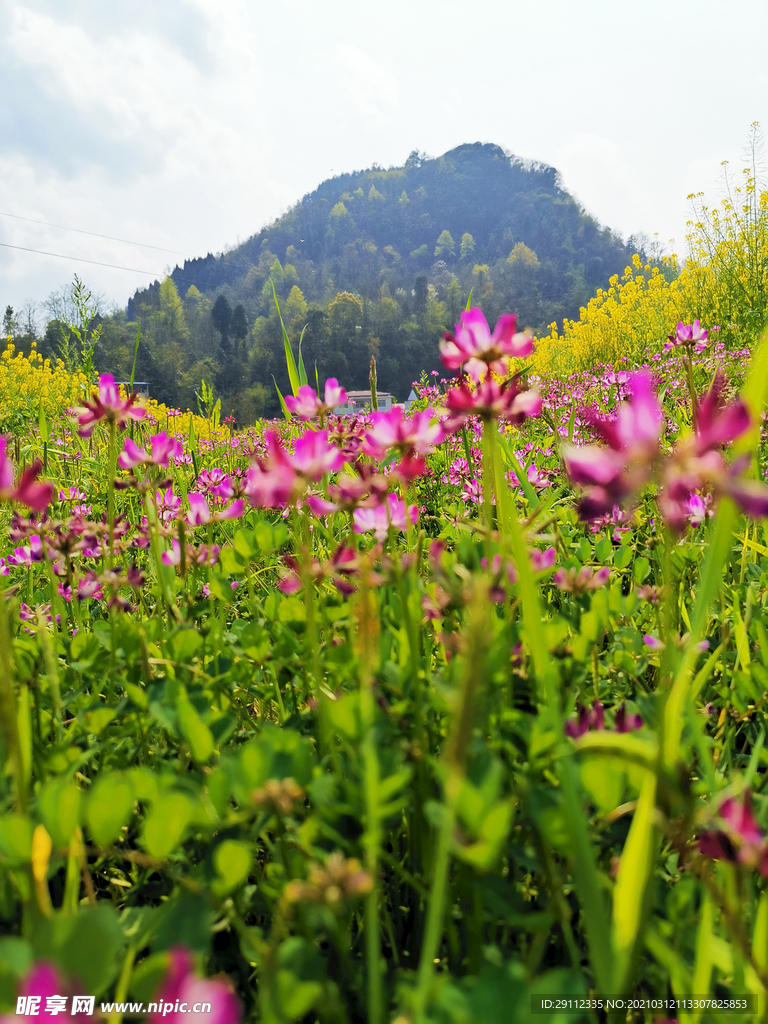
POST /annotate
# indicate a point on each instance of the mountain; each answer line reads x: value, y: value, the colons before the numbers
x: 376, y: 262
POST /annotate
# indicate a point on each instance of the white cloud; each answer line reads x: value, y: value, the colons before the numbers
x: 188, y: 123
x: 373, y: 90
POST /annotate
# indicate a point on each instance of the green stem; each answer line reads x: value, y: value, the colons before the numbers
x: 9, y: 712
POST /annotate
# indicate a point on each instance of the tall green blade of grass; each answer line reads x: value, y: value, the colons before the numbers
x: 301, y: 370
x: 293, y: 373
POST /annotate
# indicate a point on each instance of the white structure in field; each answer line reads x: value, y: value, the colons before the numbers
x: 360, y: 401
x: 141, y: 387
x: 413, y: 397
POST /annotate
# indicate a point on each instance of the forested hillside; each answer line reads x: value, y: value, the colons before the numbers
x: 374, y: 262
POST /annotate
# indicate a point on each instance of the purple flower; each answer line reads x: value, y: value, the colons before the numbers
x: 586, y: 720
x: 623, y: 721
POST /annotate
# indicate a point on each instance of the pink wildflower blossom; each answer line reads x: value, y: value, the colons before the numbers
x: 489, y: 401
x: 688, y: 336
x: 307, y: 406
x: 182, y: 988
x: 739, y: 838
x: 391, y: 512
x: 27, y: 490
x: 164, y: 448
x: 107, y: 405
x: 200, y: 513
x: 473, y: 346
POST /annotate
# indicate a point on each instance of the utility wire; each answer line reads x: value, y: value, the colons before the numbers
x: 93, y: 234
x: 79, y: 259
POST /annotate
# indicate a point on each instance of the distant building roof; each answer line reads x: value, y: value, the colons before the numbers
x: 367, y: 394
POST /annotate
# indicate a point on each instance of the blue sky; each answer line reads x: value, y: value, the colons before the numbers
x: 189, y: 124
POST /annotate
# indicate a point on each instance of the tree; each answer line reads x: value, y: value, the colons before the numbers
x: 221, y: 315
x: 169, y: 324
x: 238, y: 326
x: 445, y: 246
x: 10, y: 324
x: 466, y: 247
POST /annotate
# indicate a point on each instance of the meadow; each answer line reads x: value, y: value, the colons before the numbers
x: 400, y: 717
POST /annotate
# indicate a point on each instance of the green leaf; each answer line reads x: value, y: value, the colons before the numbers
x: 293, y: 610
x: 302, y: 371
x: 109, y: 807
x: 165, y: 824
x: 184, y: 644
x: 231, y: 562
x: 59, y: 805
x: 511, y: 460
x: 604, y: 781
x: 43, y: 424
x: 625, y: 746
x: 623, y: 557
x: 15, y: 839
x: 85, y: 946
x: 246, y: 544
x: 135, y: 354
x: 640, y: 569
x: 630, y: 894
x: 195, y: 732
x: 97, y: 719
x: 293, y: 374
x: 283, y: 406
x: 232, y: 861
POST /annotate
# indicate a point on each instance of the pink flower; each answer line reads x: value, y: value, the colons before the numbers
x: 314, y: 455
x: 739, y: 840
x: 45, y: 993
x: 107, y: 405
x: 579, y: 581
x: 28, y: 555
x: 271, y: 482
x: 307, y: 406
x: 168, y: 504
x: 613, y: 473
x: 688, y: 336
x: 378, y: 520
x: 412, y: 437
x: 181, y: 990
x: 697, y: 463
x: 200, y: 513
x: 489, y: 401
x: 28, y: 490
x: 594, y: 719
x: 480, y: 352
x: 164, y: 448
x: 653, y: 643
x: 542, y: 561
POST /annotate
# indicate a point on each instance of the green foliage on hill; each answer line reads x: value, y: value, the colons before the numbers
x: 376, y: 262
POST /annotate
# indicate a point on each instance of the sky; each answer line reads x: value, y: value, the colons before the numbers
x: 188, y: 125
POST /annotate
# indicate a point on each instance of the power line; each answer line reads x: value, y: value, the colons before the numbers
x: 79, y: 259
x: 93, y: 234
